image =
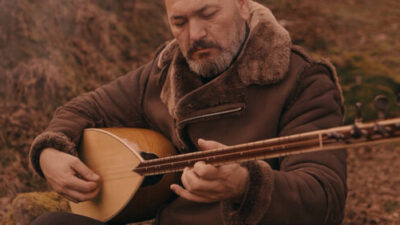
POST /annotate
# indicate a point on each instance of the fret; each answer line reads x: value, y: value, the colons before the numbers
x: 321, y: 143
x: 216, y: 152
x: 329, y: 139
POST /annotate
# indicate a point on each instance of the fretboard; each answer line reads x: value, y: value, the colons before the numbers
x: 322, y: 140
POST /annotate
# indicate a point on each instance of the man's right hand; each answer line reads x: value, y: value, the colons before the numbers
x: 69, y: 176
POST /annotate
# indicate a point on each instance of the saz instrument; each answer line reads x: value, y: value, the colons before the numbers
x: 134, y: 186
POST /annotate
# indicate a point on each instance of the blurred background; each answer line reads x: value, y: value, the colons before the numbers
x: 51, y: 51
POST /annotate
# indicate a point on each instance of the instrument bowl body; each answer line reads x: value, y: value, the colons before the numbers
x: 114, y: 153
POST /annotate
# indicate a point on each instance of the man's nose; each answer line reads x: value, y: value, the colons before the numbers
x: 197, y: 31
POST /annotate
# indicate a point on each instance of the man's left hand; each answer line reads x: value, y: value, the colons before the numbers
x: 206, y: 183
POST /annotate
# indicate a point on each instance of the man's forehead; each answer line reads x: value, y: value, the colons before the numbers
x: 184, y: 6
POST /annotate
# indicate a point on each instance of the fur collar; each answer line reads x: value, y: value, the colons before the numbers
x: 264, y: 59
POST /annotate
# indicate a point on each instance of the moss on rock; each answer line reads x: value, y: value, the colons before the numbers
x: 27, y: 206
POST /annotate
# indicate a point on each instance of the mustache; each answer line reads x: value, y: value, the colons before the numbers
x: 202, y: 44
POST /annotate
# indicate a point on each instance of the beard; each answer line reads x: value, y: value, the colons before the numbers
x: 216, y: 65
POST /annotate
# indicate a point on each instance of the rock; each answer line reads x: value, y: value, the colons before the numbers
x: 27, y: 206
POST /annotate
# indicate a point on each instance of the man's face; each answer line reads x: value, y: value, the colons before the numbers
x: 209, y: 32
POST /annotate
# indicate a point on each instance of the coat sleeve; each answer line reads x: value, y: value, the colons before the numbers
x: 308, y: 188
x: 112, y: 105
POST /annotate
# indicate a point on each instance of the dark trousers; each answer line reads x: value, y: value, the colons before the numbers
x: 63, y: 218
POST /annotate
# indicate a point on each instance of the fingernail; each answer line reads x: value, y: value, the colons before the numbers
x: 95, y: 176
x: 202, y: 141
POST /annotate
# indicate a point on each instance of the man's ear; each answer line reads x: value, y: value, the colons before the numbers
x: 244, y: 8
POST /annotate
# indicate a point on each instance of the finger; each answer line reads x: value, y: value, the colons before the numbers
x: 76, y: 196
x: 205, y: 171
x: 232, y: 171
x: 198, y: 186
x: 80, y: 185
x: 186, y: 177
x: 188, y: 195
x: 208, y: 145
x: 69, y: 198
x: 84, y: 171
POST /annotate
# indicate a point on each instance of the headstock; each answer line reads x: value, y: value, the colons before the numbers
x: 380, y: 129
x: 358, y: 118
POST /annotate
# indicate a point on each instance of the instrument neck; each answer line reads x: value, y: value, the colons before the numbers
x: 322, y: 140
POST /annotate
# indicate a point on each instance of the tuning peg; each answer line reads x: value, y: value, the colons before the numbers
x: 335, y: 135
x: 357, y: 133
x: 381, y: 103
x: 358, y: 118
x: 382, y: 130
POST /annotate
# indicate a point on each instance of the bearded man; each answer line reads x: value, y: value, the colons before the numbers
x: 230, y: 76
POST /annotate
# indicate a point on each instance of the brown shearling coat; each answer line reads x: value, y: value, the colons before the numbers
x: 272, y: 89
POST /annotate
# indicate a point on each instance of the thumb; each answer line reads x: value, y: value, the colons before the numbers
x: 208, y: 144
x: 85, y: 172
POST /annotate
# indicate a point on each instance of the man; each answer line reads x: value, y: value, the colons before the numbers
x: 230, y: 76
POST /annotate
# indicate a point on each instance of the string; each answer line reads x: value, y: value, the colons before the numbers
x: 110, y: 175
x: 291, y: 145
x: 120, y: 177
x: 120, y: 169
x: 229, y: 149
x: 223, y: 155
x: 329, y: 141
x: 215, y: 153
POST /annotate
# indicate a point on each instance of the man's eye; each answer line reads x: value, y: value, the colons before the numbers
x: 209, y: 15
x: 179, y: 23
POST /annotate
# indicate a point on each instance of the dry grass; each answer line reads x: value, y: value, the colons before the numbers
x: 51, y: 51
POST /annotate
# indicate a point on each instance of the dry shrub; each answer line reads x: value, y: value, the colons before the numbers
x: 50, y: 51
x: 91, y: 42
x: 20, y: 123
x: 36, y: 83
x: 9, y: 182
x: 310, y: 23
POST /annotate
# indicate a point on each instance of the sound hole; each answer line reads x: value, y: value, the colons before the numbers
x: 150, y: 180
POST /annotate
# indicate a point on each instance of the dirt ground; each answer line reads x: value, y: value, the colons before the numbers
x: 373, y: 185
